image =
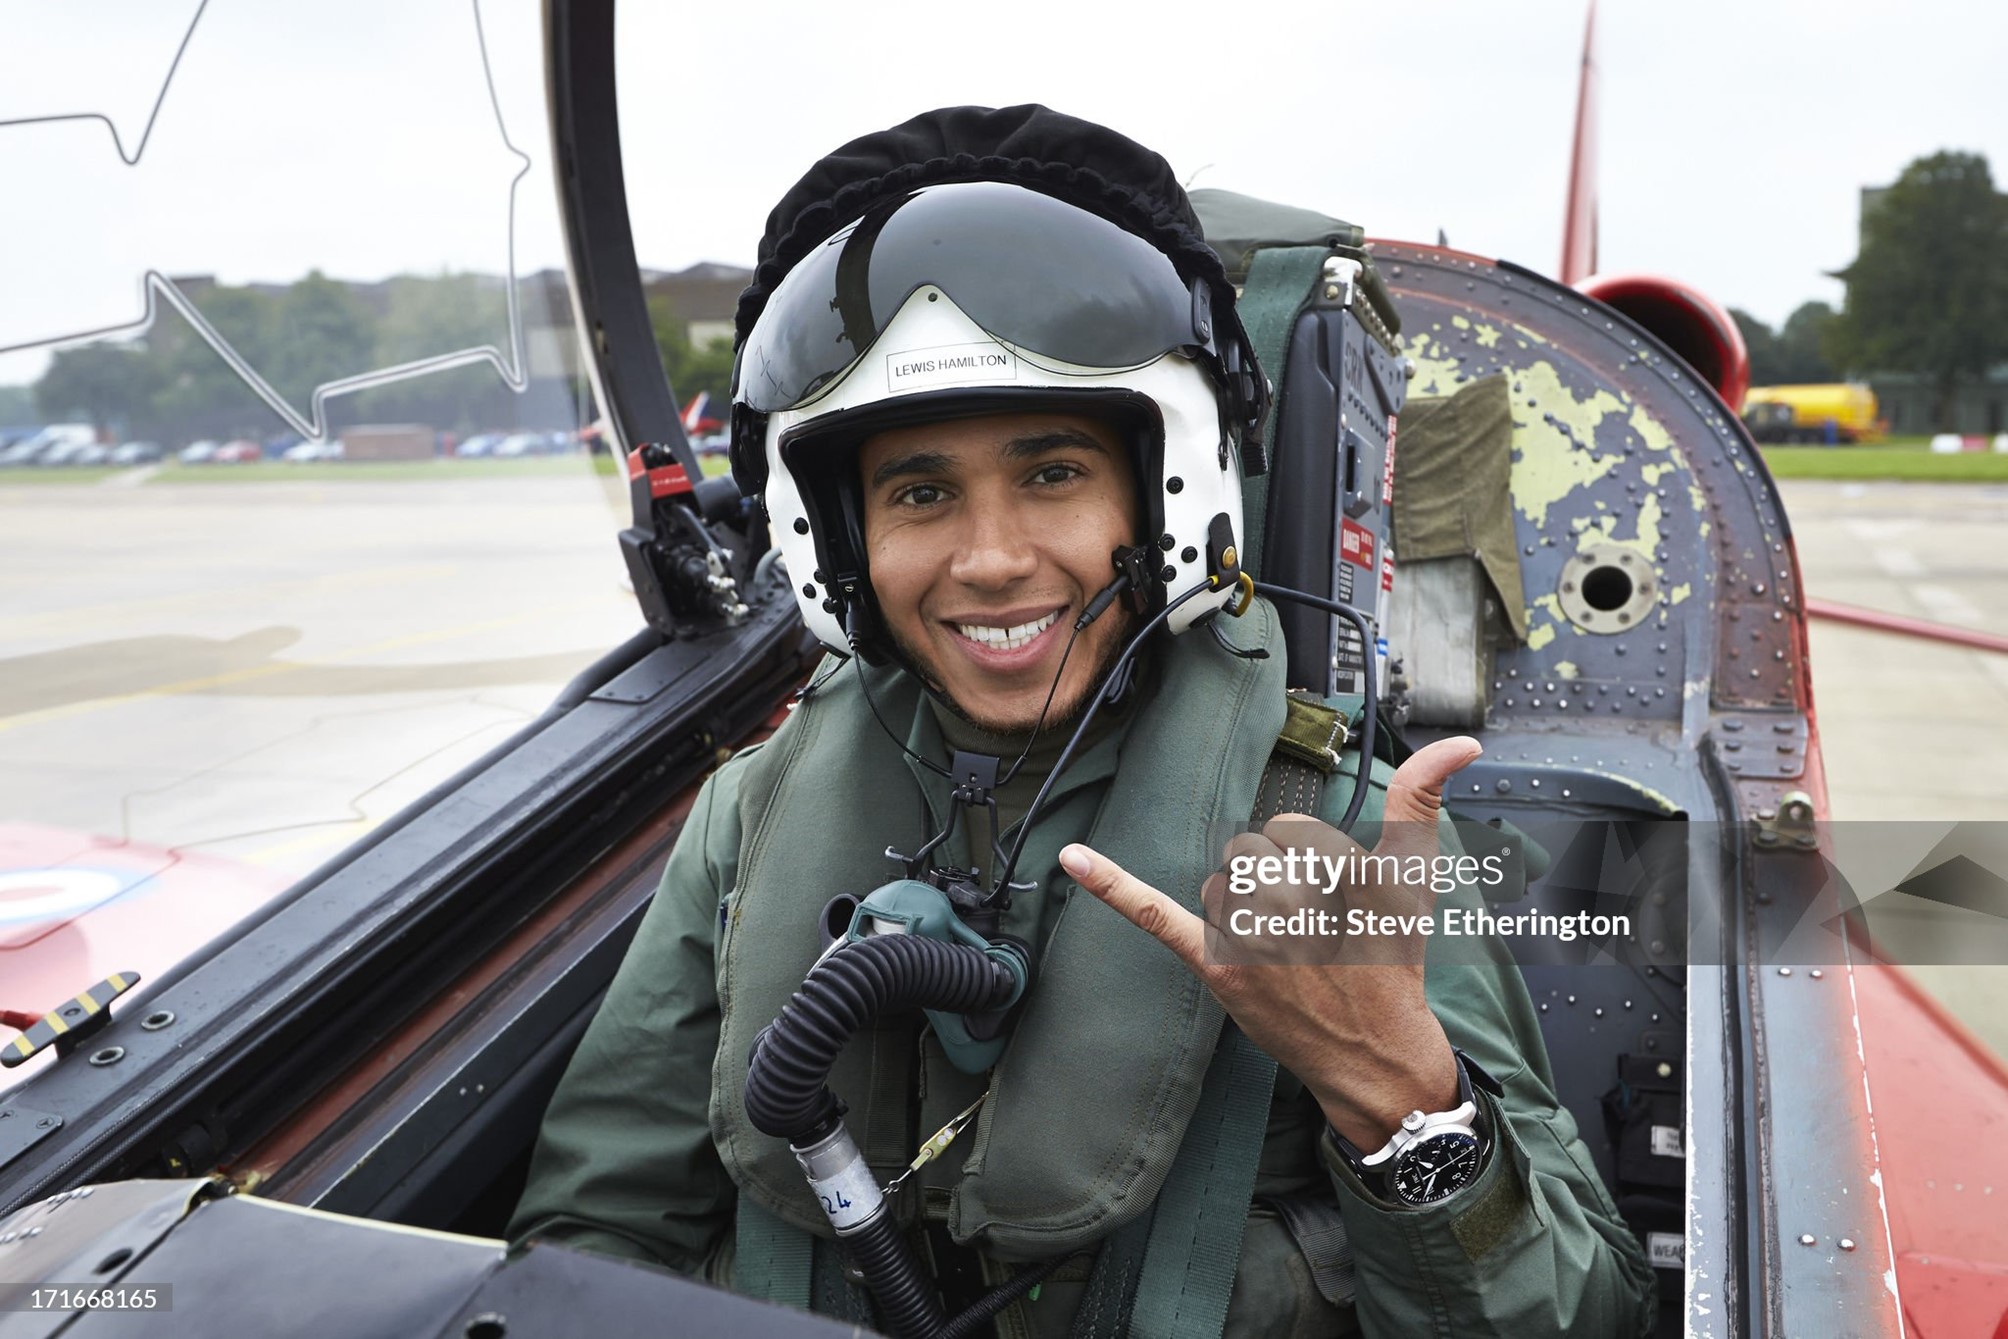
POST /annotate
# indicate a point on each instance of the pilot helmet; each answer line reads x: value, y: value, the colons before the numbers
x: 962, y: 298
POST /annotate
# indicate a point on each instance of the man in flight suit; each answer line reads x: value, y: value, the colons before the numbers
x: 984, y: 353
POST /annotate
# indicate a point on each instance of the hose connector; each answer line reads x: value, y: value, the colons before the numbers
x: 973, y: 1043
x: 841, y: 1181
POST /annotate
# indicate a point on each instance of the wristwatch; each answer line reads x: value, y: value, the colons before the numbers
x: 1432, y: 1156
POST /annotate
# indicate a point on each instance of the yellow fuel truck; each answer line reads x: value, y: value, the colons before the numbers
x: 1830, y: 414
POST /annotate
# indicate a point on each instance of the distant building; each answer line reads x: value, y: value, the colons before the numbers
x: 704, y: 297
x: 1909, y: 402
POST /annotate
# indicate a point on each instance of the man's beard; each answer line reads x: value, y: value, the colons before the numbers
x: 1060, y: 715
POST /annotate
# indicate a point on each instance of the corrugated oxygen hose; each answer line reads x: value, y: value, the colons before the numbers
x: 787, y: 1080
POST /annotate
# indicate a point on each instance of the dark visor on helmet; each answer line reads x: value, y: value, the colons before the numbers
x: 1034, y: 272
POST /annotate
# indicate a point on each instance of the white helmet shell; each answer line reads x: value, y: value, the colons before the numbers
x: 930, y: 345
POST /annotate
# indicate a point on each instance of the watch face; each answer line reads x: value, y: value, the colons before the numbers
x: 1435, y: 1168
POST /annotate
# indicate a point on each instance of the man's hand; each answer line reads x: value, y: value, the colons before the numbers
x: 1355, y: 1028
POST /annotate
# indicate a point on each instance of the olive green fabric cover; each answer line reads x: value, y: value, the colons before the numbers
x: 1238, y: 225
x: 1453, y: 493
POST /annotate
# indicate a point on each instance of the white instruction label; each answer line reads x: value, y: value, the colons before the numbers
x: 1666, y: 1141
x: 1666, y: 1250
x: 949, y: 365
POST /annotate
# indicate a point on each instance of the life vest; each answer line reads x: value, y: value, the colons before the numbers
x: 1091, y: 1100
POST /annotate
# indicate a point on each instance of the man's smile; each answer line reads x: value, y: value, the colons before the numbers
x: 1008, y: 640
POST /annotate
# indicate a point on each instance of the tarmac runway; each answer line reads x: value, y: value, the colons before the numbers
x: 1913, y: 729
x: 264, y: 671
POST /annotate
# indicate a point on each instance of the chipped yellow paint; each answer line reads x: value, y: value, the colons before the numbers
x: 1534, y: 335
x: 1544, y: 619
x: 1548, y: 465
x: 1567, y: 670
x: 1436, y: 371
x: 1650, y: 430
x: 1659, y: 798
x: 1652, y: 474
x: 1645, y: 541
x: 1488, y: 335
x: 1679, y: 593
x: 1648, y: 526
x: 1460, y: 322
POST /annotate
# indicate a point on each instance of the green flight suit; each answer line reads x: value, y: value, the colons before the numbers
x: 627, y: 1163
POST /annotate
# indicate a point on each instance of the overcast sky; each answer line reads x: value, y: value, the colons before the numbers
x: 1735, y: 133
x: 357, y: 136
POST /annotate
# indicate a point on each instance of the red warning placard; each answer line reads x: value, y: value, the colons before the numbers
x: 1356, y: 544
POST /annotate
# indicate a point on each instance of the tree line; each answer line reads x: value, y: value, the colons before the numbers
x: 691, y: 368
x: 1927, y: 294
x: 169, y: 384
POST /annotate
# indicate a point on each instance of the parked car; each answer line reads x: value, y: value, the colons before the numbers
x: 313, y: 450
x: 72, y: 452
x: 47, y: 446
x: 197, y: 453
x: 481, y: 444
x: 522, y: 444
x: 137, y: 453
x: 238, y: 452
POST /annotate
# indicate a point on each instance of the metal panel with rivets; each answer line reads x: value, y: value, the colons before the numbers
x: 1665, y: 675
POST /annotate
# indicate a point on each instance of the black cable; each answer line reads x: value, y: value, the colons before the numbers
x: 1003, y: 1295
x: 1367, y: 648
x: 1096, y: 606
x: 1367, y: 653
x: 864, y: 686
x: 1114, y: 677
x: 1047, y: 705
x: 827, y: 675
x: 1095, y: 609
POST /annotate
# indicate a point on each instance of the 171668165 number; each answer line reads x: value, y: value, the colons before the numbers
x: 86, y: 1297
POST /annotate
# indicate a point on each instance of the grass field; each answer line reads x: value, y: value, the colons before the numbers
x: 1904, y: 458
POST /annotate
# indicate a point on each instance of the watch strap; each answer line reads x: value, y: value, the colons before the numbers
x: 1372, y: 1168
